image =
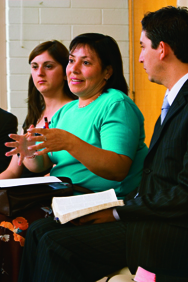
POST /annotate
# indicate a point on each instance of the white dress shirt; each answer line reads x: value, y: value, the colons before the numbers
x: 175, y: 89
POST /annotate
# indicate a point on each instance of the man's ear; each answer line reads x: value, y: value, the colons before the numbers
x: 108, y: 72
x: 164, y: 49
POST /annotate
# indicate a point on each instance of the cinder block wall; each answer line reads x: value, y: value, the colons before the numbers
x: 30, y: 22
x: 182, y: 3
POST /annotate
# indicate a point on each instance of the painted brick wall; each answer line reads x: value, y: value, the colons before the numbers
x: 182, y: 3
x: 30, y: 22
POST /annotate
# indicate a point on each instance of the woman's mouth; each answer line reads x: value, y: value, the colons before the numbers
x: 76, y: 81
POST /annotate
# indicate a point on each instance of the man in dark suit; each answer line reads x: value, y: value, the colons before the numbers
x: 152, y: 230
x: 8, y: 124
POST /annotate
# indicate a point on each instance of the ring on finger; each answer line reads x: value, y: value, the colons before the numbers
x: 45, y: 139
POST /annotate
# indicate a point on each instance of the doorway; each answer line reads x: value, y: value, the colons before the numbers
x: 148, y: 96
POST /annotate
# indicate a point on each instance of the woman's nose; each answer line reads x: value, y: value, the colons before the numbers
x: 75, y: 67
x: 40, y: 71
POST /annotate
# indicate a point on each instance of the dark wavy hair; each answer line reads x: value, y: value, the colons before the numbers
x: 170, y: 25
x: 35, y: 101
x: 109, y: 54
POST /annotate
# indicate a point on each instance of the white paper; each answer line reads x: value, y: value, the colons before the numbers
x: 29, y: 180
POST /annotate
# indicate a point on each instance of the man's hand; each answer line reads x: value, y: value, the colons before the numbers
x: 97, y: 217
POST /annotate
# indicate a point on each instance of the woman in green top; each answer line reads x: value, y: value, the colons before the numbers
x: 97, y: 140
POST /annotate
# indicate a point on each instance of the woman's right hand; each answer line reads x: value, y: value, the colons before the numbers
x: 20, y: 146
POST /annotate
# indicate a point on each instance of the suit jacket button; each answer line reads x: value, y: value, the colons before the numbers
x: 147, y: 170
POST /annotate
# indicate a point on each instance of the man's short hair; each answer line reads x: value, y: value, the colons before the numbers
x: 170, y: 25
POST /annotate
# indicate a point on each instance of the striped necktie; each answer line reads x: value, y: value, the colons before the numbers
x: 165, y: 108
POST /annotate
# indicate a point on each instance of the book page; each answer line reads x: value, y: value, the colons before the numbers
x: 73, y: 203
x: 29, y: 180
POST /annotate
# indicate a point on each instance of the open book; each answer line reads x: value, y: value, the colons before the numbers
x: 68, y: 208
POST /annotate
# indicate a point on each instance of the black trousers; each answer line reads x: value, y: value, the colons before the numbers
x: 56, y: 252
x: 67, y: 253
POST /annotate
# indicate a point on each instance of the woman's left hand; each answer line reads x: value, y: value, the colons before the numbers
x: 51, y: 140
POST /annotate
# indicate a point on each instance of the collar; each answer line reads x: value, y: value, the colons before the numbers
x: 175, y: 89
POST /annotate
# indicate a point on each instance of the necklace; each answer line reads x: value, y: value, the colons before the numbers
x: 89, y: 102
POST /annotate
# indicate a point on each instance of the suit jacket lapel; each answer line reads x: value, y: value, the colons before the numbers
x: 156, y: 133
x: 178, y: 103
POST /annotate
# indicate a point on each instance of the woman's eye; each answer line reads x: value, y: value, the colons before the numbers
x: 70, y: 61
x: 34, y: 67
x: 48, y: 66
x: 86, y: 63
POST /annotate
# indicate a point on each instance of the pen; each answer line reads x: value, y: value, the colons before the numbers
x: 46, y: 122
x: 57, y: 219
x: 46, y: 125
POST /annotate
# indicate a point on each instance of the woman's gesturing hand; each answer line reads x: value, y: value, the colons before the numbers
x: 20, y: 146
x: 50, y: 140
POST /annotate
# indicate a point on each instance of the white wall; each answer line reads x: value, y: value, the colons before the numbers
x: 3, y: 87
x: 30, y: 22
